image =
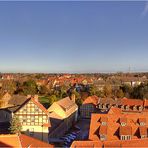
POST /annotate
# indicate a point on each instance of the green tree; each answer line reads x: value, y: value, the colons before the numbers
x: 30, y: 87
x: 15, y: 125
x: 52, y: 99
x: 127, y: 90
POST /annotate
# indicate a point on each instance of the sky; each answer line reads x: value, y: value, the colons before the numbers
x: 73, y: 37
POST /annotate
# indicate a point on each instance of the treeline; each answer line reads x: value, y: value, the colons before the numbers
x: 136, y: 92
x: 46, y: 94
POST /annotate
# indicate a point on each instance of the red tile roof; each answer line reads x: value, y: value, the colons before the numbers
x: 125, y: 130
x: 114, y: 124
x: 9, y: 141
x: 103, y: 130
x: 15, y: 141
x: 103, y: 119
x: 142, y: 120
x: 111, y: 144
x: 91, y: 100
x: 132, y: 102
x: 143, y: 130
x: 27, y: 141
x: 123, y: 120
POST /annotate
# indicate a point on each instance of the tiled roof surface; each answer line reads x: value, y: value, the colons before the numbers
x: 113, y: 124
x: 103, y: 119
x: 103, y: 130
x: 111, y: 144
x: 91, y: 100
x: 142, y: 130
x: 142, y: 120
x: 9, y: 141
x: 27, y: 141
x: 123, y: 120
x: 65, y: 103
x: 125, y: 130
x: 132, y: 102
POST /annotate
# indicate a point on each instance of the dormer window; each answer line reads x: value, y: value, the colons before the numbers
x: 104, y: 121
x: 142, y: 121
x: 125, y: 133
x: 140, y: 108
x: 122, y: 107
x: 134, y: 107
x: 123, y: 124
x: 127, y: 107
x: 123, y: 121
x: 143, y: 132
x: 103, y: 133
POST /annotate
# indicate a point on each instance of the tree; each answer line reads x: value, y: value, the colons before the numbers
x: 108, y: 90
x: 9, y: 86
x: 43, y: 89
x: 52, y: 99
x: 15, y: 125
x: 30, y: 87
x: 127, y: 90
x: 119, y: 93
x: 79, y: 102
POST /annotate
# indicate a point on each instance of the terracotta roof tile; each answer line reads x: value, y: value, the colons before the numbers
x: 125, y: 130
x: 103, y: 130
x: 91, y: 100
x: 113, y: 123
x: 143, y: 130
x: 27, y: 141
x: 123, y: 120
x: 9, y: 141
x: 132, y: 102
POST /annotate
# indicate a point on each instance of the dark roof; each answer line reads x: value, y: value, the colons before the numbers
x: 17, y: 101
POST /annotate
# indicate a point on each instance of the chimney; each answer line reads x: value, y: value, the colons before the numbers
x: 28, y: 96
x: 73, y: 97
x: 36, y: 98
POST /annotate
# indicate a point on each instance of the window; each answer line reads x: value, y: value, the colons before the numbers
x: 123, y: 124
x: 32, y: 118
x: 104, y: 123
x: 102, y: 137
x: 24, y: 118
x: 142, y: 123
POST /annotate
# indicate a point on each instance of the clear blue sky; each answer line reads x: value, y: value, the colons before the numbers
x: 73, y: 36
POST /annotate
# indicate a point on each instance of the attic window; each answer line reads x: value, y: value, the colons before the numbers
x: 104, y: 120
x: 123, y: 124
x: 142, y: 121
x: 123, y: 121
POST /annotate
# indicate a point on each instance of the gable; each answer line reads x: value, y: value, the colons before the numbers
x: 31, y: 114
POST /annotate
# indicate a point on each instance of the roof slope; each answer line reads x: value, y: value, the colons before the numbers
x: 27, y: 141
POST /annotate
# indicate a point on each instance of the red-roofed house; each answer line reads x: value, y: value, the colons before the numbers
x: 120, y: 126
x: 89, y: 106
